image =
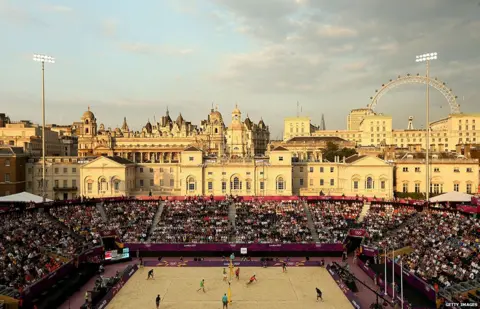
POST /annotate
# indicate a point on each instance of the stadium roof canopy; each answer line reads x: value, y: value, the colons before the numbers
x: 452, y: 197
x: 23, y: 197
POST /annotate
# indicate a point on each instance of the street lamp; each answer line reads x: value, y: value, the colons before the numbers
x: 43, y: 59
x: 427, y: 58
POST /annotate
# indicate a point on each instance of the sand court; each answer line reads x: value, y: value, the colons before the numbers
x: 178, y: 288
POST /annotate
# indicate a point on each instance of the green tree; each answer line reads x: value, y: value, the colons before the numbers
x: 332, y: 150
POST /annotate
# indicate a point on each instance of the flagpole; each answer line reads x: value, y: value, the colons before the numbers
x: 393, y: 274
x: 401, y: 282
x: 386, y: 250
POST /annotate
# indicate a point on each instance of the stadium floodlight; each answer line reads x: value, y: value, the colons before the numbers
x: 427, y: 58
x: 43, y: 58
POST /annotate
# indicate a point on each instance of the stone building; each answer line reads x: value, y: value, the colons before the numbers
x: 12, y: 170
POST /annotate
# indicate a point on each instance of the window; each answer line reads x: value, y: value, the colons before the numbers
x: 331, y: 169
x: 405, y: 188
x: 162, y: 182
x: 456, y: 187
x: 65, y: 170
x: 141, y: 182
x: 65, y: 183
x: 280, y: 184
x: 7, y: 177
x: 74, y: 170
x: 224, y: 186
x: 56, y: 170
x: 417, y: 170
x: 89, y: 187
x: 332, y: 182
x: 151, y: 183
x: 210, y: 173
x: 469, y: 170
x: 369, y: 184
x: 311, y: 169
x: 236, y: 184
x: 405, y: 169
x: 417, y: 188
x: 321, y: 169
x: 322, y: 182
x: 7, y: 162
x: 301, y: 169
x: 436, y: 170
x: 311, y: 182
x: 191, y: 184
x: 56, y: 183
x: 436, y: 188
x: 280, y: 158
x: 249, y: 185
x: 141, y: 170
x: 469, y: 188
x: 456, y: 170
x: 262, y: 185
x: 161, y: 170
x: 172, y: 182
x: 151, y: 170
x: 355, y: 185
x: 382, y: 184
x: 210, y: 186
x: 74, y: 183
x: 301, y: 181
x: 190, y: 158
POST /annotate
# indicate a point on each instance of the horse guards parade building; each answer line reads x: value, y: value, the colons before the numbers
x: 236, y: 156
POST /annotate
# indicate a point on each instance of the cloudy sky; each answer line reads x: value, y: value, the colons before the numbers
x: 135, y: 58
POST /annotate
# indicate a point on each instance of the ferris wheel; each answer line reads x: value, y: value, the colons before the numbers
x: 417, y: 79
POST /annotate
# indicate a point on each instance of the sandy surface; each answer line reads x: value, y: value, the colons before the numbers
x: 274, y: 289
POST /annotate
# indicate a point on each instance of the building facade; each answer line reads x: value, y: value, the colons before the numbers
x: 12, y: 170
x: 368, y: 129
x: 29, y: 136
x: 62, y: 176
x: 447, y: 174
x: 163, y: 141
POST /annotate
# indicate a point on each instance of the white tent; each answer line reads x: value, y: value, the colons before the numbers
x: 452, y: 197
x: 23, y: 197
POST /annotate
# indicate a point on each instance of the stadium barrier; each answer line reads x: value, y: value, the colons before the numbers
x: 226, y: 249
x: 127, y: 274
x: 42, y: 285
x: 410, y: 279
x: 369, y: 251
x: 236, y: 263
x: 348, y: 293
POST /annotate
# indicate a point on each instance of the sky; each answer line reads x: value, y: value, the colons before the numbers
x: 136, y: 58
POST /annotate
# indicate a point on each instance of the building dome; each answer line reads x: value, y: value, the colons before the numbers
x: 88, y: 114
x: 215, y: 115
x: 236, y: 110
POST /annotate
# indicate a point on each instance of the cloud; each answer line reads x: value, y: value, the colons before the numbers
x: 330, y: 31
x: 109, y: 27
x: 146, y: 48
x: 60, y: 9
x: 315, y: 46
x: 13, y: 13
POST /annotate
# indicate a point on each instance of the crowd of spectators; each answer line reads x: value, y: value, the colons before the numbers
x: 81, y: 219
x: 445, y: 246
x: 131, y: 220
x: 195, y: 220
x: 31, y: 246
x: 271, y: 222
x: 332, y: 220
x: 381, y: 218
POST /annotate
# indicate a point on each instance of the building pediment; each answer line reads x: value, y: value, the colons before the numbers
x: 364, y: 160
x: 108, y: 162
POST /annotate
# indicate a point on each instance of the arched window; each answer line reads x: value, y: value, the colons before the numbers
x: 116, y: 185
x: 235, y: 184
x: 103, y: 185
x: 191, y: 184
x: 369, y: 183
x: 216, y: 130
x: 280, y: 184
x: 86, y: 130
x: 86, y: 121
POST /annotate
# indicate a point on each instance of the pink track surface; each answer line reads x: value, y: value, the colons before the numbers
x: 365, y: 296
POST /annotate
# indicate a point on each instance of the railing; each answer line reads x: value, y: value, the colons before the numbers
x: 71, y: 188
